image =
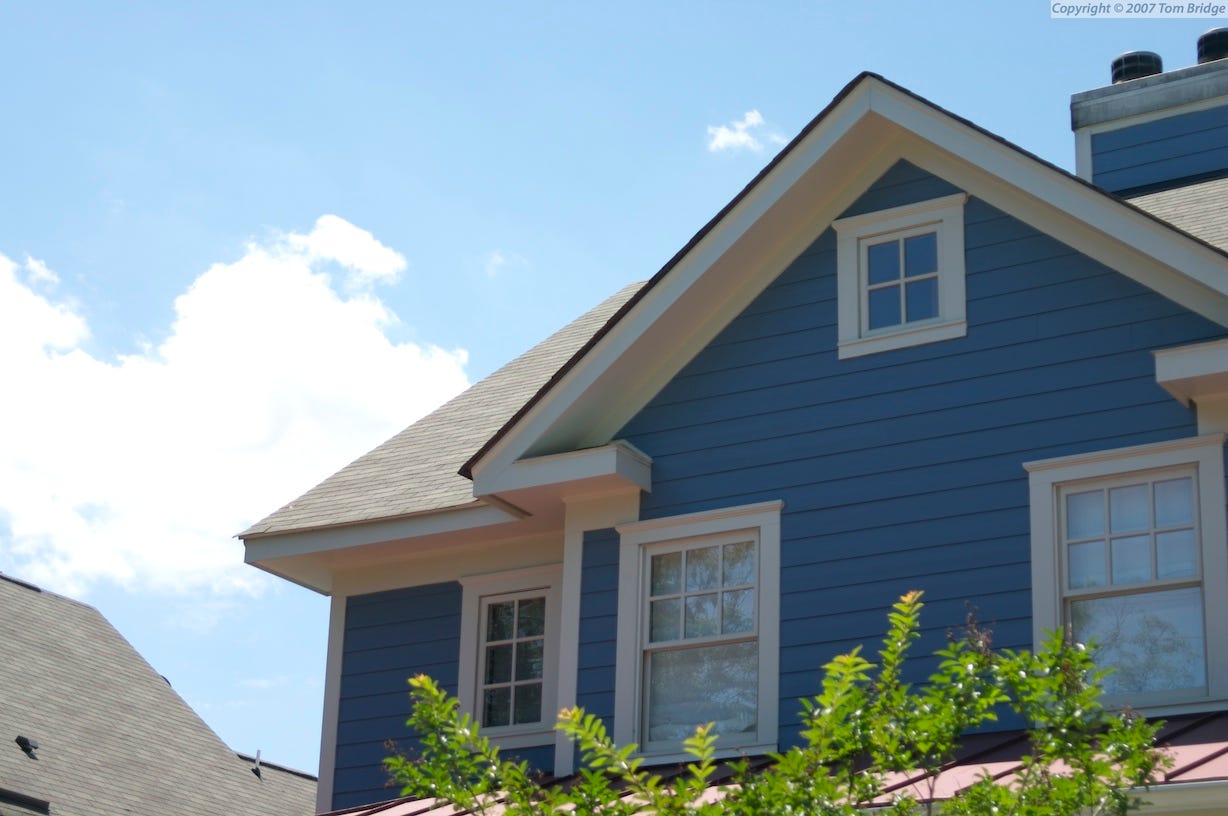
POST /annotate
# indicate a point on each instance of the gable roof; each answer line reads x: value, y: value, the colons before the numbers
x: 1196, y: 208
x: 416, y: 471
x: 869, y: 119
x: 113, y: 736
x: 554, y: 391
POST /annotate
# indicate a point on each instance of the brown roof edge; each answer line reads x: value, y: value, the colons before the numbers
x: 466, y: 469
x: 258, y: 534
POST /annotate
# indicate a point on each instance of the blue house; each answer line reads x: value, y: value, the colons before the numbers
x: 909, y: 355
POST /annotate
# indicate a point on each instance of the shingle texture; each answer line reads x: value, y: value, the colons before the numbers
x: 1198, y: 208
x: 114, y: 738
x: 416, y: 470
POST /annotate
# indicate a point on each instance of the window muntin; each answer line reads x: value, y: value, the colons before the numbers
x: 513, y: 659
x: 1159, y: 608
x: 900, y: 276
x: 901, y: 279
x: 1133, y: 579
x: 509, y: 653
x: 699, y: 630
x: 701, y: 654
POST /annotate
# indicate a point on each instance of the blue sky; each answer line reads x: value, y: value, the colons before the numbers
x: 240, y: 244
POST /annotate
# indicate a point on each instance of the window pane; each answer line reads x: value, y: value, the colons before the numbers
x: 689, y: 687
x: 1175, y: 554
x: 922, y: 300
x: 529, y: 660
x: 1085, y: 515
x: 528, y: 704
x: 667, y: 573
x: 497, y: 706
x: 921, y: 254
x: 1129, y: 508
x: 1086, y: 565
x: 738, y: 611
x: 499, y: 663
x: 884, y: 307
x: 1131, y: 559
x: 531, y: 620
x: 883, y: 262
x: 1174, y: 502
x: 499, y: 619
x: 739, y: 568
x: 1153, y: 640
x: 703, y: 568
x: 701, y: 620
x: 665, y: 620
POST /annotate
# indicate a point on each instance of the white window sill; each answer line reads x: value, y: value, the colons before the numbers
x: 903, y: 337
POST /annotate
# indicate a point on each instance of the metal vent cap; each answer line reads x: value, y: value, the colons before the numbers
x: 1213, y: 45
x: 1136, y: 65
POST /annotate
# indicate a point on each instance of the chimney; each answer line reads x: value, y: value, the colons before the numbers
x: 1152, y: 130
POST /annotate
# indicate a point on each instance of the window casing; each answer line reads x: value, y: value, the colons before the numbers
x: 900, y: 276
x: 1128, y: 549
x: 509, y: 653
x: 698, y: 637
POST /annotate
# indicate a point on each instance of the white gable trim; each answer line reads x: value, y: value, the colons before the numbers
x: 872, y: 127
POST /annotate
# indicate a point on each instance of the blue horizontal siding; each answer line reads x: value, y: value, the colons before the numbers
x: 389, y: 637
x: 903, y: 470
x: 598, y: 623
x: 1163, y: 151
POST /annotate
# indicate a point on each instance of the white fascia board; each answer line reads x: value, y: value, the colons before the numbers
x: 1191, y: 372
x: 1184, y: 797
x: 620, y: 460
x: 1158, y: 256
x: 269, y: 547
x: 715, y: 312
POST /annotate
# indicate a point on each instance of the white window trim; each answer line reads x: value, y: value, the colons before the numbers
x: 946, y: 214
x: 549, y: 580
x: 1204, y: 453
x: 764, y: 518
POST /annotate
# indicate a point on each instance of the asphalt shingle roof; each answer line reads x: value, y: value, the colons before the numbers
x: 113, y: 737
x: 416, y: 470
x: 1198, y: 208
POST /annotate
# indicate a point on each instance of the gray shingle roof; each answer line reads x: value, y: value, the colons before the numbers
x: 416, y: 470
x: 1199, y: 209
x: 114, y: 738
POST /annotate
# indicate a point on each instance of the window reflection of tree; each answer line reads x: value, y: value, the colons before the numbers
x: 1145, y: 651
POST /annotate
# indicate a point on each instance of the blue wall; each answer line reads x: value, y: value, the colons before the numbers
x: 389, y: 637
x: 903, y: 469
x: 598, y: 624
x: 1158, y: 153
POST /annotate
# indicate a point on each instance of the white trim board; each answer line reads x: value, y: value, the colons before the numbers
x: 872, y: 127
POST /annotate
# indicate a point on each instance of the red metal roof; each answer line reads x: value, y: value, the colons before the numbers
x: 1197, y: 744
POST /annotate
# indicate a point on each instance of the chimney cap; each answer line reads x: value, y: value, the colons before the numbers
x: 1136, y: 65
x: 1213, y: 45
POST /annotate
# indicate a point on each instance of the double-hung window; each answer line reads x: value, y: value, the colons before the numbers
x: 509, y: 649
x: 900, y: 276
x: 1129, y: 553
x: 698, y: 637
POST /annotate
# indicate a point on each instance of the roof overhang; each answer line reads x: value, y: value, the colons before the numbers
x: 870, y: 126
x: 1198, y: 375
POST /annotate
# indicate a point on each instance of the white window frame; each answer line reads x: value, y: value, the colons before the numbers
x: 761, y: 520
x: 944, y: 216
x: 544, y: 580
x: 1204, y: 455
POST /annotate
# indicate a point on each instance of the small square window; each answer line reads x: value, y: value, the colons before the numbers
x: 900, y: 276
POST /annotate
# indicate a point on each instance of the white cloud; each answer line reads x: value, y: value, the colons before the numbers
x: 497, y: 261
x: 335, y: 239
x: 738, y: 136
x: 140, y: 471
